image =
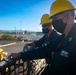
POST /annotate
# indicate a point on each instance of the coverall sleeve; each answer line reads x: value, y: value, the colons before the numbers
x: 40, y: 52
x: 40, y: 41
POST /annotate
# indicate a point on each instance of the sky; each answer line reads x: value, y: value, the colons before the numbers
x: 23, y: 14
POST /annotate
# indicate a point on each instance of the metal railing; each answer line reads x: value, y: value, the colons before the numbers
x: 9, y: 66
x: 18, y: 67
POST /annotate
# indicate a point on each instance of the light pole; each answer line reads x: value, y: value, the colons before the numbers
x: 20, y: 28
x: 15, y: 32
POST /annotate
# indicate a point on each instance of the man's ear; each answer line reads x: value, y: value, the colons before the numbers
x: 68, y: 15
x: 51, y: 26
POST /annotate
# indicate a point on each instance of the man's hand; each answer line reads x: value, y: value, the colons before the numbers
x: 25, y: 46
x: 32, y: 44
x: 14, y: 56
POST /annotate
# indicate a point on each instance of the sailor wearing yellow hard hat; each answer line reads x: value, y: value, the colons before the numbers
x: 62, y: 13
x: 46, y: 23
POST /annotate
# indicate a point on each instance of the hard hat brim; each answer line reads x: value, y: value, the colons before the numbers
x: 61, y: 12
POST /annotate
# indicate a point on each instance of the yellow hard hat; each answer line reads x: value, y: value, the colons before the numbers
x: 60, y: 6
x: 45, y: 19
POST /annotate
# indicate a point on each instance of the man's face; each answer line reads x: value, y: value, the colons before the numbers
x: 57, y: 17
x: 58, y: 23
x: 45, y: 28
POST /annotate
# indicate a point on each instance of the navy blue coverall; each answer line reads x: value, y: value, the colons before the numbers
x: 64, y: 61
x: 43, y: 42
x: 45, y: 50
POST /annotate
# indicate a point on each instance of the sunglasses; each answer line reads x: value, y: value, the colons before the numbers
x: 45, y: 25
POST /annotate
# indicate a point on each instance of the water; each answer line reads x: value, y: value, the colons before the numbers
x: 3, y: 43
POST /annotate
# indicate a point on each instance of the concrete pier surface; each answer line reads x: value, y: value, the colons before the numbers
x: 15, y: 47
